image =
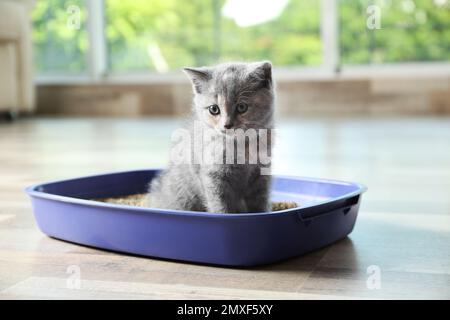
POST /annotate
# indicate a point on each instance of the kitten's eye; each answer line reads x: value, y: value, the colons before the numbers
x: 241, y: 108
x: 214, y: 109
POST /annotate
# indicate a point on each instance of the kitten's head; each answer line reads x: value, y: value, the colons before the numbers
x: 233, y: 95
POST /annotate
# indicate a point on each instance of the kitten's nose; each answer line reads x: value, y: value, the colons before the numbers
x: 228, y: 125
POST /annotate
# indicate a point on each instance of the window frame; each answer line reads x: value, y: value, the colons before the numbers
x: 330, y: 68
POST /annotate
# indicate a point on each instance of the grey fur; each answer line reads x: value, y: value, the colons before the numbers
x: 222, y: 188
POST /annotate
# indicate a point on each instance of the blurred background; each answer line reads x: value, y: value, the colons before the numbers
x: 123, y: 58
x: 363, y: 95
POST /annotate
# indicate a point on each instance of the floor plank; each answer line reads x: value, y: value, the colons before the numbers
x: 403, y: 229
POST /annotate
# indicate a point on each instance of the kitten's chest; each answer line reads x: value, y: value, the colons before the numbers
x: 235, y: 151
x: 238, y: 177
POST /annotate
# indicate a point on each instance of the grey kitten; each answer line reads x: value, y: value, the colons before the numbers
x: 226, y: 97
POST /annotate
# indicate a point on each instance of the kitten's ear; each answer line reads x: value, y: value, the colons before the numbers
x: 199, y: 77
x: 262, y: 71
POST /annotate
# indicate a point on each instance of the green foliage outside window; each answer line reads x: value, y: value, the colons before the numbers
x: 411, y: 31
x: 164, y: 35
x: 60, y: 44
x: 196, y: 33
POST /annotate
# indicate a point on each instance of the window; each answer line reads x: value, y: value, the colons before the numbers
x: 60, y: 37
x: 162, y: 35
x: 410, y: 31
x: 158, y: 36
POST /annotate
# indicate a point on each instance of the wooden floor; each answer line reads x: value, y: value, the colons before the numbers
x: 402, y: 234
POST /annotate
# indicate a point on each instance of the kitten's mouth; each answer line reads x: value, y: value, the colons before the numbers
x: 228, y: 132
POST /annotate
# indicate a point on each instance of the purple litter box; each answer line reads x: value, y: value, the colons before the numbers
x: 328, y: 213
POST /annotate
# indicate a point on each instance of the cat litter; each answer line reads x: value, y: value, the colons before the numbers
x: 141, y: 200
x: 319, y: 213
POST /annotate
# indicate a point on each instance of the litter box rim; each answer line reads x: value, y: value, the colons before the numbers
x: 33, y: 191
